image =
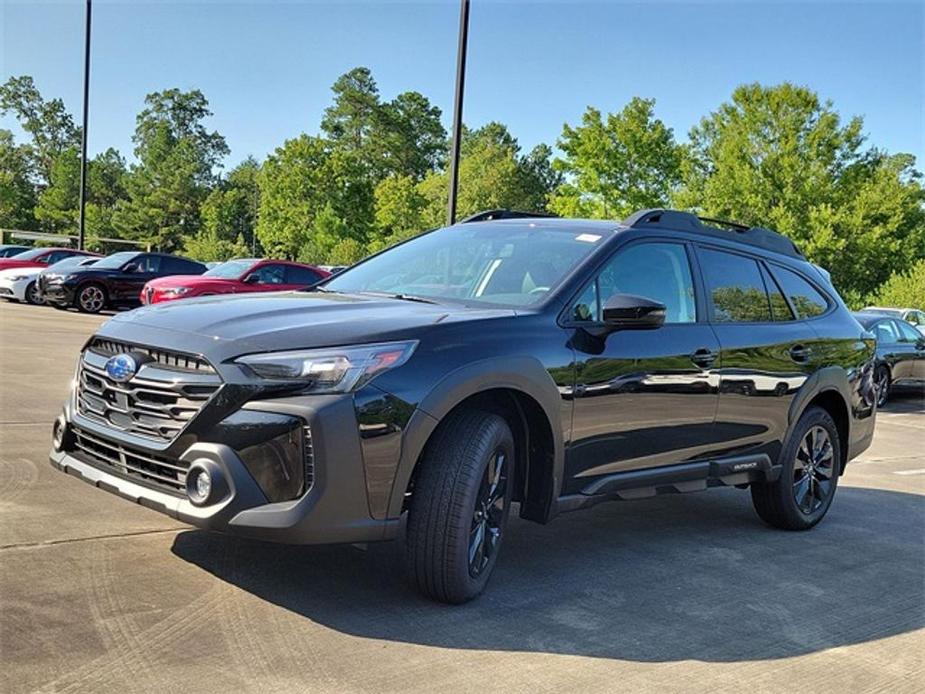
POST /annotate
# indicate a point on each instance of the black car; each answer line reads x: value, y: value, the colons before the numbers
x: 555, y: 363
x: 900, y: 352
x: 8, y: 250
x: 116, y: 280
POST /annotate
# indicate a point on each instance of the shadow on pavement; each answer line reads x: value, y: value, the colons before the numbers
x: 906, y: 398
x: 666, y: 579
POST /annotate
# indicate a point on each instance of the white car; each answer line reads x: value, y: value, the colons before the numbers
x: 910, y: 315
x: 21, y: 283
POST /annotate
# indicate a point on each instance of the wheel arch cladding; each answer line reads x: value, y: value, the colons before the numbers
x: 832, y: 402
x: 529, y: 405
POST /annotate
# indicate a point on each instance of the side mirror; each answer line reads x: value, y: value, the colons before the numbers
x: 629, y: 312
x: 252, y: 278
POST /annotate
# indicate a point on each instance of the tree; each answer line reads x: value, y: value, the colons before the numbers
x: 613, y: 167
x: 48, y: 122
x: 177, y: 162
x: 779, y: 157
x: 408, y: 138
x: 399, y: 207
x: 17, y: 194
x: 312, y: 195
x: 352, y: 117
x: 903, y: 288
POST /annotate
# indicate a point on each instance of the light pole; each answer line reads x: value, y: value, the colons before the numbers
x: 81, y: 235
x: 458, y: 107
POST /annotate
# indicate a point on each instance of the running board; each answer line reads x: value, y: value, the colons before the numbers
x: 673, y: 479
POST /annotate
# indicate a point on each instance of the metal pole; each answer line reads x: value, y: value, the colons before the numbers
x: 81, y: 236
x: 458, y: 107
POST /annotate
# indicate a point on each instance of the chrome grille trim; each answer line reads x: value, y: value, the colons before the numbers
x: 164, y: 473
x: 308, y: 455
x: 156, y: 404
x: 165, y: 358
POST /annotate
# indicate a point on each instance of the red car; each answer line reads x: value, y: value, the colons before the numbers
x: 40, y: 257
x: 234, y: 277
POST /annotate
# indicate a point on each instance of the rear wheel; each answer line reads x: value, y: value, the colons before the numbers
x: 33, y: 295
x: 91, y: 298
x: 460, y: 505
x: 803, y: 493
x: 882, y: 383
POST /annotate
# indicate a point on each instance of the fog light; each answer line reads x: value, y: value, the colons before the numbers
x: 198, y: 485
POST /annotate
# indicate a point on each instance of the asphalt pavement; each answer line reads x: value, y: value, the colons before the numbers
x: 683, y: 593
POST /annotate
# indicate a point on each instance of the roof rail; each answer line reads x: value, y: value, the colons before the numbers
x: 686, y: 221
x: 491, y: 215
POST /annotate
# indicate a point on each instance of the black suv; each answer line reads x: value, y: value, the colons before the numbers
x: 554, y: 363
x: 116, y: 280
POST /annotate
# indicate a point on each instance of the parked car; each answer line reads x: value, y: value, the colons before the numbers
x: 556, y: 363
x: 900, y: 352
x: 911, y: 315
x: 234, y: 277
x: 8, y: 250
x: 22, y: 284
x: 114, y: 281
x: 41, y: 257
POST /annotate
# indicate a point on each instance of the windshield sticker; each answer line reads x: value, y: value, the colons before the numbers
x: 588, y: 238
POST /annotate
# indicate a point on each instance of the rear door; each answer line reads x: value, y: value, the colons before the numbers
x: 642, y: 398
x: 766, y: 351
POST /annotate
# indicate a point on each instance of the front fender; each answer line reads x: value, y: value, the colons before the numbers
x: 524, y: 374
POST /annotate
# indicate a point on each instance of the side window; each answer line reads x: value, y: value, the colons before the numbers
x: 780, y: 311
x: 176, y: 266
x: 886, y: 332
x: 908, y: 333
x: 916, y: 318
x: 806, y: 299
x: 271, y: 274
x: 148, y: 263
x: 53, y: 258
x: 657, y: 271
x: 735, y: 287
x: 300, y: 275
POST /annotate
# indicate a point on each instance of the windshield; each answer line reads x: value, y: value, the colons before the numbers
x: 884, y: 311
x: 30, y: 255
x: 73, y: 261
x: 497, y: 263
x: 115, y: 261
x: 230, y: 270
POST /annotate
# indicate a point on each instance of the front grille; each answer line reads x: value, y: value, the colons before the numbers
x: 156, y: 403
x: 170, y: 360
x: 167, y: 474
x: 5, y: 291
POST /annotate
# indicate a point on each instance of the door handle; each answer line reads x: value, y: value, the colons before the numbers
x: 704, y: 357
x: 800, y: 353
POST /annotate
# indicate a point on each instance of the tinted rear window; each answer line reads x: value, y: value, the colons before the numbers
x: 735, y: 287
x: 806, y: 299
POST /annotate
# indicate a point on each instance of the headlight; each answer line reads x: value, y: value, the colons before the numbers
x: 175, y: 291
x: 331, y: 370
x: 17, y: 278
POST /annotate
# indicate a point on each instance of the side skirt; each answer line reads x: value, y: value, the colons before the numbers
x: 673, y: 479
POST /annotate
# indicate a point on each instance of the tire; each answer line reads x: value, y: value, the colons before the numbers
x: 90, y: 298
x: 459, y: 506
x: 803, y: 493
x: 32, y: 295
x: 882, y: 384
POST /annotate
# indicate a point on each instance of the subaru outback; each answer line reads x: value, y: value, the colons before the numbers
x: 509, y: 360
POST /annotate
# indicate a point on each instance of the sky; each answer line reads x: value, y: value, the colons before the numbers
x: 267, y: 67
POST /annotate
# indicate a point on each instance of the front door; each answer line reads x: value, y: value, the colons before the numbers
x: 642, y: 398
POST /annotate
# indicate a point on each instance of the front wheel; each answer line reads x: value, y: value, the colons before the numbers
x: 90, y: 298
x: 882, y: 385
x: 803, y: 493
x: 33, y: 295
x: 459, y: 506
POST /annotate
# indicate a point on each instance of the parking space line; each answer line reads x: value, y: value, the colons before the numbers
x: 920, y: 471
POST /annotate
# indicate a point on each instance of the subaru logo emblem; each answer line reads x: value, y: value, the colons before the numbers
x: 121, y: 367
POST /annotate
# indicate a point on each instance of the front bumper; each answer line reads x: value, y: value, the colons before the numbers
x: 13, y: 290
x: 333, y: 510
x: 58, y: 293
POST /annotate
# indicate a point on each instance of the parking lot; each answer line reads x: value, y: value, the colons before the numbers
x: 684, y: 593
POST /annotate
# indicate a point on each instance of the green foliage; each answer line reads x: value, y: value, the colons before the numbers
x: 177, y: 158
x: 48, y: 122
x: 399, y: 208
x: 903, y: 289
x: 778, y: 157
x: 613, y: 167
x: 228, y: 217
x: 311, y: 195
x: 17, y: 194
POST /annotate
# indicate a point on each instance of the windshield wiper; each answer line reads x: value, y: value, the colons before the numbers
x: 401, y: 296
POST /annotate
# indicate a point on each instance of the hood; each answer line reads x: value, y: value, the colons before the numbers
x: 16, y: 271
x: 186, y: 281
x: 7, y: 263
x: 224, y: 326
